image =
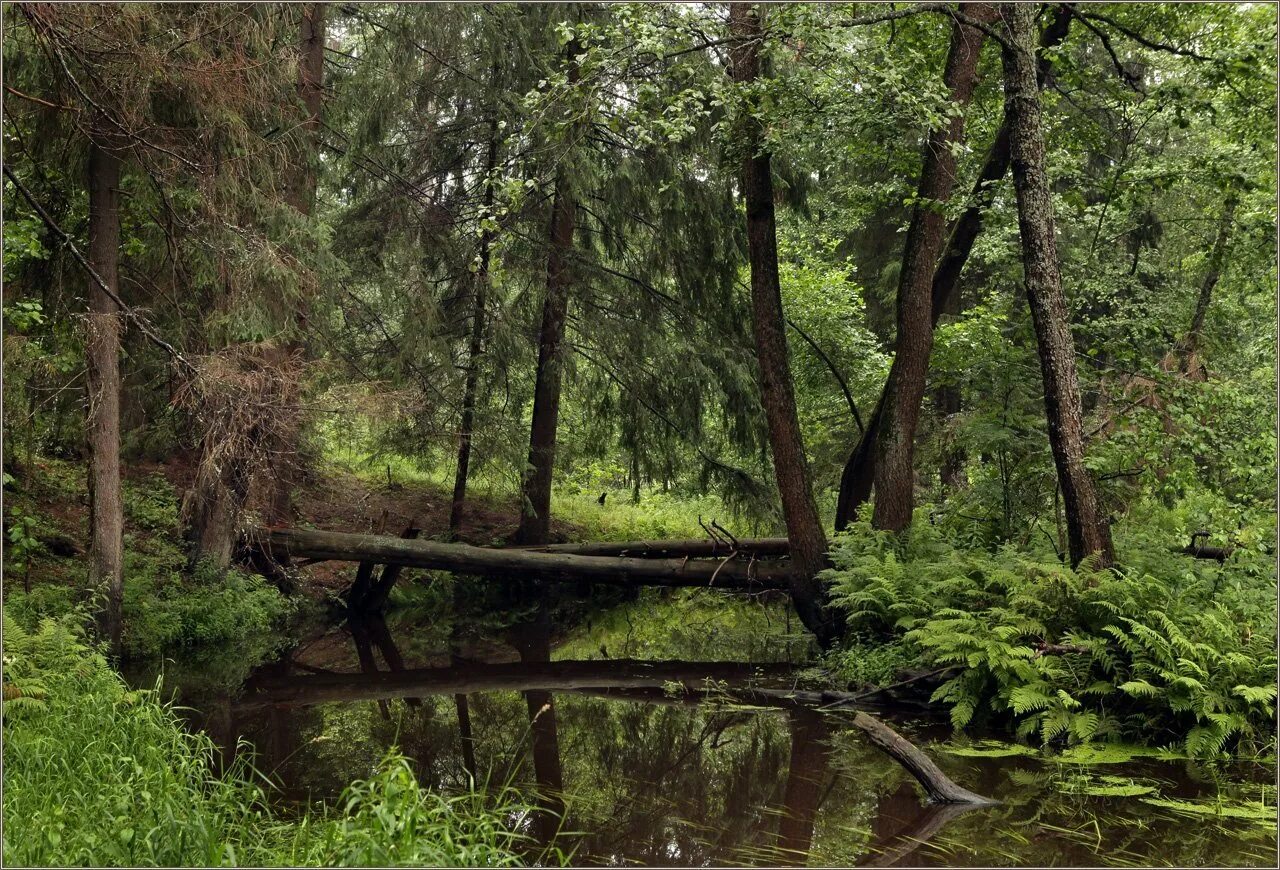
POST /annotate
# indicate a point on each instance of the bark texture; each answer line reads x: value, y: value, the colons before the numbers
x: 517, y: 563
x: 535, y: 518
x: 102, y: 361
x: 895, y: 442
x: 1087, y: 528
x: 858, y: 476
x: 302, y: 196
x: 808, y: 542
x: 694, y: 547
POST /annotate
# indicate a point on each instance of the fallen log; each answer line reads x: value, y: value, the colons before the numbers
x: 692, y: 548
x: 465, y: 559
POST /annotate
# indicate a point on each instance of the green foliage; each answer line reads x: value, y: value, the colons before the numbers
x: 96, y: 774
x: 163, y: 609
x: 1071, y: 656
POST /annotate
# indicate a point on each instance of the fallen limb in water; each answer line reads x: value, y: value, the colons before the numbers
x: 466, y: 559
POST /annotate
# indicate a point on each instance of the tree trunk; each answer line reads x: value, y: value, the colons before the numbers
x: 1213, y: 271
x: 859, y: 471
x: 102, y: 361
x: 535, y: 517
x: 1087, y: 528
x: 895, y: 444
x: 516, y: 563
x: 480, y: 284
x: 302, y: 195
x: 808, y: 543
x: 669, y: 549
x: 535, y: 514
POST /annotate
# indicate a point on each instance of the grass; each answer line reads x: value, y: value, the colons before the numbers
x: 96, y: 774
x: 574, y: 499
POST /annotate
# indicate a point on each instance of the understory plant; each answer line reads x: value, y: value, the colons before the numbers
x: 1072, y: 655
x: 97, y: 774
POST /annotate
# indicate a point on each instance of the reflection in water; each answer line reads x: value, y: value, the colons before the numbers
x: 533, y: 641
x: 806, y: 783
x: 646, y: 774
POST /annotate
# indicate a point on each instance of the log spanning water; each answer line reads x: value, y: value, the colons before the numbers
x: 691, y: 548
x: 736, y: 572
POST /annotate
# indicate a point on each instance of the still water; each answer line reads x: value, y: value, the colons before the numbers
x: 606, y: 721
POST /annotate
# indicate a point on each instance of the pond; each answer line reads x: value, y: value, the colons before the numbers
x: 604, y: 718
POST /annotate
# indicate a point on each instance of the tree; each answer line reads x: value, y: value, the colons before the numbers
x: 895, y: 438
x: 301, y: 194
x: 475, y: 345
x: 535, y: 516
x: 808, y: 543
x: 102, y: 361
x: 859, y: 472
x: 1088, y: 531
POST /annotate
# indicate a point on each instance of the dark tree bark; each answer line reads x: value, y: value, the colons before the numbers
x: 474, y: 348
x: 1213, y: 272
x: 535, y: 515
x: 102, y: 361
x: 302, y: 195
x: 808, y: 543
x: 1087, y: 528
x: 859, y: 471
x: 506, y: 564
x: 895, y: 442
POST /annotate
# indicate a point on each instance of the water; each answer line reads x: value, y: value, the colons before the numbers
x: 645, y: 774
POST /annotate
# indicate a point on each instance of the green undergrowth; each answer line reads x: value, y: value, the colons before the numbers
x: 99, y: 775
x: 575, y: 496
x: 166, y: 606
x: 1162, y: 650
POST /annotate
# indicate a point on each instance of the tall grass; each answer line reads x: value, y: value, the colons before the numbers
x: 98, y: 775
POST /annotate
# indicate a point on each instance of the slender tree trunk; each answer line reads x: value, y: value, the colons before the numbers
x: 1213, y: 271
x: 808, y: 543
x: 481, y: 285
x: 302, y: 195
x: 535, y: 516
x: 895, y: 444
x: 1087, y: 529
x: 859, y: 471
x: 102, y: 359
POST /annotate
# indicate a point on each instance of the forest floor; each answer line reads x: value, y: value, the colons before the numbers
x: 51, y: 493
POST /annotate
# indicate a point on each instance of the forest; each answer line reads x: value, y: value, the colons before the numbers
x: 731, y: 434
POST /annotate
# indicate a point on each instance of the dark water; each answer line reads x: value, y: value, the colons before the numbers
x: 607, y: 724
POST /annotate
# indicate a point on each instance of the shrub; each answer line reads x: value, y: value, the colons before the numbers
x: 163, y: 610
x: 1072, y: 655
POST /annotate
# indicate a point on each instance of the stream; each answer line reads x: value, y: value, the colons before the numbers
x: 602, y: 718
